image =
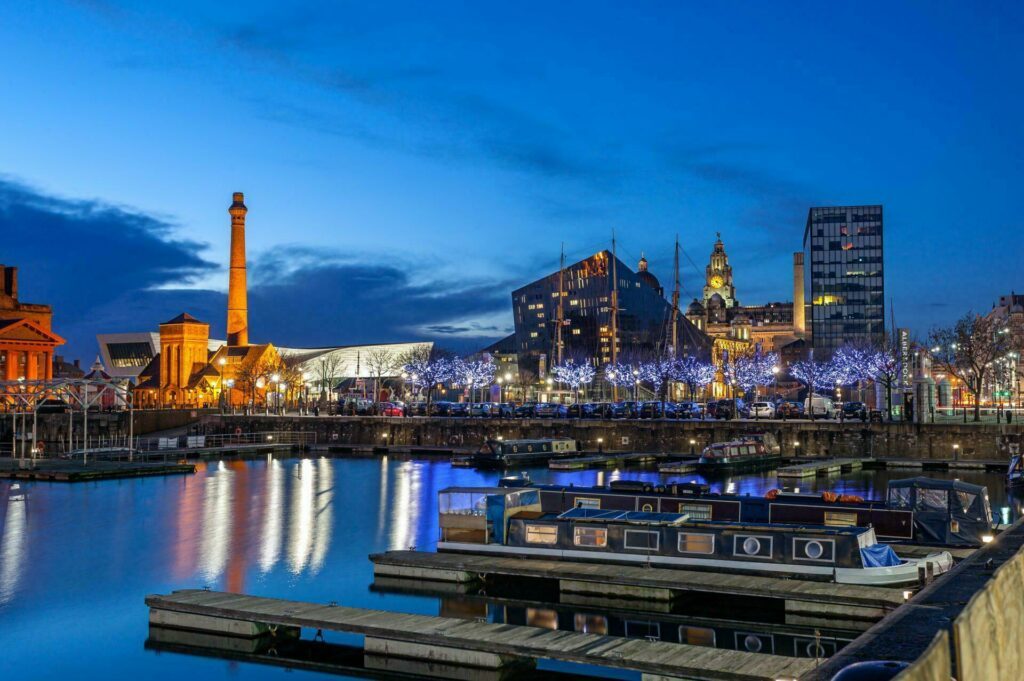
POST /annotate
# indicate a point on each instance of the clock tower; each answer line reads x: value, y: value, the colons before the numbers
x: 718, y: 276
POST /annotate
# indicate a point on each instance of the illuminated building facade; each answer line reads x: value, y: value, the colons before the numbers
x: 720, y: 315
x: 846, y: 286
x: 27, y: 341
x: 586, y: 286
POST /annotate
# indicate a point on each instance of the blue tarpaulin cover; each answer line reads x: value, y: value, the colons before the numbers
x: 879, y: 555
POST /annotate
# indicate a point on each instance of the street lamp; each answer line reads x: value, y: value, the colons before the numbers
x: 600, y: 444
x: 956, y: 451
x: 693, y: 444
x: 231, y: 385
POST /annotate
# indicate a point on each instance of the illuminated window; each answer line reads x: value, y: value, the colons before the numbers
x: 696, y: 511
x: 697, y: 636
x: 533, y: 334
x: 840, y: 519
x: 596, y: 537
x: 575, y: 332
x: 541, y: 534
x: 588, y: 502
x: 696, y: 543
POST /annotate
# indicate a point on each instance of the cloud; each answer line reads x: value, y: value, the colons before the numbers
x: 108, y: 269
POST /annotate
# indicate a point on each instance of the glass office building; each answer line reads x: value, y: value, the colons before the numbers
x: 845, y: 276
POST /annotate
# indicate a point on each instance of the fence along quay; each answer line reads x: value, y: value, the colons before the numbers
x: 459, y: 642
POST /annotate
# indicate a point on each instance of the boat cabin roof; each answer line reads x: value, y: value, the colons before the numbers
x: 532, y: 441
x: 498, y: 491
x: 645, y: 517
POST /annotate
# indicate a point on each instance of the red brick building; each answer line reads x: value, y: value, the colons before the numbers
x: 26, y: 339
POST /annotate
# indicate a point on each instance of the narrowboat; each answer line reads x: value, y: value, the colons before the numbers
x: 738, y: 455
x: 508, y: 453
x: 508, y: 521
x: 916, y: 511
x: 1015, y: 473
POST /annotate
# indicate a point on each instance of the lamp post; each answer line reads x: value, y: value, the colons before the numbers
x: 600, y: 445
x: 220, y: 388
x: 693, y: 444
x: 508, y: 382
x: 775, y: 384
x: 231, y: 384
x: 956, y: 451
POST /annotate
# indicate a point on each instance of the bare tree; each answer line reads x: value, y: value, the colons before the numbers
x: 972, y: 349
x: 253, y: 376
x: 381, y: 363
x: 327, y: 370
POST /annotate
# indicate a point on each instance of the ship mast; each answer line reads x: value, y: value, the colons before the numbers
x: 560, y: 318
x: 615, y: 314
x: 675, y: 304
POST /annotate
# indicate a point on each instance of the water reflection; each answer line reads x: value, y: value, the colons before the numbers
x: 13, y: 546
x: 273, y: 509
x: 216, y: 527
x: 405, y: 505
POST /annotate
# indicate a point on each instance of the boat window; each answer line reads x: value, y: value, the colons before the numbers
x: 966, y: 500
x: 591, y: 624
x: 590, y: 536
x: 641, y: 539
x: 647, y: 508
x: 696, y: 543
x: 643, y: 629
x: 932, y: 500
x: 840, y: 519
x: 587, y: 502
x: 463, y: 503
x: 900, y: 497
x: 541, y: 534
x: 696, y: 511
x: 697, y: 636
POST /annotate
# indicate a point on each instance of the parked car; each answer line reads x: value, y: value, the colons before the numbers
x: 789, y: 410
x: 418, y: 409
x: 689, y: 410
x: 728, y: 409
x: 442, y: 408
x: 505, y: 410
x: 551, y: 410
x: 762, y: 410
x: 819, y: 405
x: 459, y: 409
x: 391, y: 409
x: 600, y: 410
x: 657, y: 410
x: 526, y: 410
x: 480, y: 409
x: 855, y: 410
x: 625, y: 410
x: 580, y: 410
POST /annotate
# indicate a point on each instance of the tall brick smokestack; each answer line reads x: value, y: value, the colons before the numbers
x: 238, y: 307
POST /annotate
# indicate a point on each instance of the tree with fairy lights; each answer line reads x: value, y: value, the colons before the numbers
x: 621, y: 374
x: 751, y: 371
x: 695, y: 374
x: 574, y: 374
x: 814, y: 375
x: 659, y: 372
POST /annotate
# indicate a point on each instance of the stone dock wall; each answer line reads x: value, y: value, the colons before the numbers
x: 979, y: 442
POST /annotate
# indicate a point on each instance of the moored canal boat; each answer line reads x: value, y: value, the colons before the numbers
x: 507, y: 521
x: 739, y: 455
x: 508, y: 453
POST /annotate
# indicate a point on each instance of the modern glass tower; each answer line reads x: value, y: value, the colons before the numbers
x: 845, y: 282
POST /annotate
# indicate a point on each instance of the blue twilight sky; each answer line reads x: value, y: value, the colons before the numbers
x: 407, y: 164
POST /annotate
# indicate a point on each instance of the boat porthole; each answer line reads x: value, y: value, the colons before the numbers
x: 813, y: 550
x: 751, y: 546
x: 647, y: 508
x: 752, y: 643
x: 815, y: 650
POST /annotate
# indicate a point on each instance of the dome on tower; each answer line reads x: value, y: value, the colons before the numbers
x: 695, y: 308
x: 646, y: 276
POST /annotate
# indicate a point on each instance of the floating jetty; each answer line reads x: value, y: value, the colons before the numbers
x: 601, y: 460
x: 678, y: 467
x: 459, y: 642
x: 801, y: 597
x: 54, y: 470
x: 823, y: 467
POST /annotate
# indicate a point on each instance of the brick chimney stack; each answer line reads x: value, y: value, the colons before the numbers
x: 238, y: 307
